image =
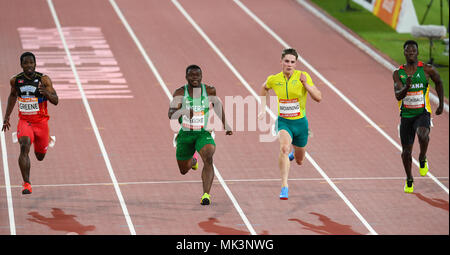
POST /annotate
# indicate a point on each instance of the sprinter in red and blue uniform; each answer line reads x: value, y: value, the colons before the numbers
x: 32, y: 90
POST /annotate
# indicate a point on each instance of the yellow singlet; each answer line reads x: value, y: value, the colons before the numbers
x: 291, y: 94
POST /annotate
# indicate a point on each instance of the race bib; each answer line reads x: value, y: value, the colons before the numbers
x: 196, y: 122
x: 28, y: 106
x: 414, y: 100
x: 289, y: 107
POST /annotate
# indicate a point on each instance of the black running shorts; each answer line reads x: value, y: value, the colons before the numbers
x: 408, y: 127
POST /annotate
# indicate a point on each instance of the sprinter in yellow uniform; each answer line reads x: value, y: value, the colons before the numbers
x: 291, y: 87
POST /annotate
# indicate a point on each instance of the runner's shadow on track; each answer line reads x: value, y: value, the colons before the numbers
x: 61, y: 222
x: 211, y: 226
x: 436, y: 202
x: 329, y: 227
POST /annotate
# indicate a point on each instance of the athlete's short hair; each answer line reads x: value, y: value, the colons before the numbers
x: 289, y: 51
x: 192, y: 67
x: 410, y: 42
x: 26, y: 54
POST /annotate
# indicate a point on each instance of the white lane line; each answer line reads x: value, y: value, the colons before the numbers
x: 12, y: 224
x: 93, y: 123
x: 243, y: 81
x: 169, y: 95
x: 230, y: 180
x: 358, y: 43
x: 141, y: 49
x: 337, y: 91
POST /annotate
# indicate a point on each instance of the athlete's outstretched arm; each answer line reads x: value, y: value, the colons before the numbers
x: 12, y: 99
x: 46, y: 89
x: 218, y: 108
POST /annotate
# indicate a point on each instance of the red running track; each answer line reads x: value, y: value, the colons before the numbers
x: 73, y: 188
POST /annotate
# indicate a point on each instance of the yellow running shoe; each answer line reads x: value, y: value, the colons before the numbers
x: 206, y: 199
x: 409, y: 189
x: 423, y: 171
x: 195, y: 158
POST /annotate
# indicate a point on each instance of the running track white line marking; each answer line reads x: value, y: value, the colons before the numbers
x: 230, y: 180
x: 330, y: 85
x: 93, y: 123
x: 358, y: 43
x: 169, y: 95
x: 243, y: 81
x: 12, y: 224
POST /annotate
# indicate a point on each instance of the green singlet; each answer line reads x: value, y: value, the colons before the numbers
x: 193, y: 135
x: 417, y: 99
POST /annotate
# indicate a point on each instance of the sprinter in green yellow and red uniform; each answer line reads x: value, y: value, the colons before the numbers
x: 412, y: 92
x: 31, y: 90
x: 291, y: 87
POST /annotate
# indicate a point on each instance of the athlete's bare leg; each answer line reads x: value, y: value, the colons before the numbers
x: 24, y: 159
x: 299, y: 154
x: 424, y: 138
x: 207, y: 153
x: 185, y: 165
x: 39, y: 156
x: 283, y: 158
x: 407, y: 159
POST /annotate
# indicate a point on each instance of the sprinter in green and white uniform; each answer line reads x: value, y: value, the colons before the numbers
x: 412, y: 92
x: 191, y: 106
